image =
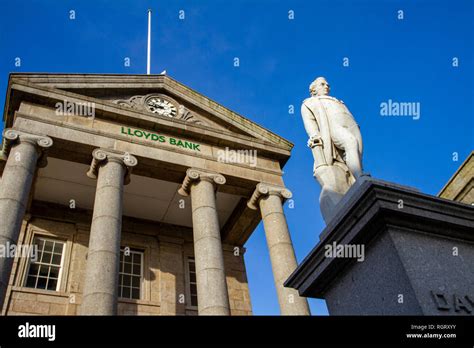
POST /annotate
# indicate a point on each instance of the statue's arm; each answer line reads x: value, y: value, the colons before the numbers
x: 315, y: 142
x: 309, y: 122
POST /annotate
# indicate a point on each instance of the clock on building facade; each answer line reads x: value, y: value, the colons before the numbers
x: 160, y: 106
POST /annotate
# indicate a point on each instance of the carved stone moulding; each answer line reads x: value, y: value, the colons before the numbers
x: 160, y: 105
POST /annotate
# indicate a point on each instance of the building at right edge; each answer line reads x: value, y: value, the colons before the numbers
x: 460, y: 187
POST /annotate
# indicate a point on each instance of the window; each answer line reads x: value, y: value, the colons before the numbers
x: 192, y: 282
x: 45, y: 271
x: 131, y: 274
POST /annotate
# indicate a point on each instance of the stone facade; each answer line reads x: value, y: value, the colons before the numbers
x: 165, y: 280
x: 104, y: 162
x: 460, y: 187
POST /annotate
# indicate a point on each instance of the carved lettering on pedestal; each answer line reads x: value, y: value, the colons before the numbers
x: 441, y: 301
x: 459, y: 303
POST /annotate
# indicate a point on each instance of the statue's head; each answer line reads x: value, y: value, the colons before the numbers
x: 319, y: 87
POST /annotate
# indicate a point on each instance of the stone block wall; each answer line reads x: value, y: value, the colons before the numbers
x: 164, y: 287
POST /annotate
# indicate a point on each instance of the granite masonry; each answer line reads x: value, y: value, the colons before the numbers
x: 417, y: 254
x: 116, y: 185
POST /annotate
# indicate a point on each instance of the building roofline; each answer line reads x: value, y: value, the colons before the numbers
x: 461, y: 167
x: 12, y: 75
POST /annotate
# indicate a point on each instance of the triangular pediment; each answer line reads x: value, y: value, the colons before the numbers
x: 164, y: 105
x: 156, y: 96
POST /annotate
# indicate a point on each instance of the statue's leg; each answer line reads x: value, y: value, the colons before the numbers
x: 350, y: 141
x: 359, y: 142
x: 352, y: 157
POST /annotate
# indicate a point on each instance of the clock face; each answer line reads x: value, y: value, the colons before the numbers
x: 161, y: 107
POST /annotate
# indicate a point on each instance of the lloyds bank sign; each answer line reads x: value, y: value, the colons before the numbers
x: 139, y: 133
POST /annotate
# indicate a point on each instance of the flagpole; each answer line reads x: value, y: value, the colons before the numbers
x: 148, y: 61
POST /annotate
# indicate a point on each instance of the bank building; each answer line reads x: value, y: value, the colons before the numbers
x: 119, y: 186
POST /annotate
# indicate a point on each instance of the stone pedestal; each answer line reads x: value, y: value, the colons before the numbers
x: 391, y: 250
x: 213, y: 297
x: 103, y: 257
x: 25, y: 154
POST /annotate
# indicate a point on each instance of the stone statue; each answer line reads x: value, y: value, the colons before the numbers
x: 336, y: 143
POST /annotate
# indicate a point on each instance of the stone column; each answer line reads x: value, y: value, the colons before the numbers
x: 269, y: 199
x: 25, y: 153
x: 112, y: 170
x: 213, y: 298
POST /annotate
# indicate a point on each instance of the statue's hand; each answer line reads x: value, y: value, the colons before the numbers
x: 314, y: 141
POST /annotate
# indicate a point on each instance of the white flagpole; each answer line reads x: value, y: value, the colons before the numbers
x: 148, y: 61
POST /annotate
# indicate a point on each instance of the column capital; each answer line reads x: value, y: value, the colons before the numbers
x: 41, y: 142
x: 100, y: 156
x: 194, y: 175
x: 263, y: 190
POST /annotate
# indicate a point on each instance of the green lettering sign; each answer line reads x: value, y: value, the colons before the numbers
x: 160, y: 138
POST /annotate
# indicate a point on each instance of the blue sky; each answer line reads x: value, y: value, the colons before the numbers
x: 407, y: 60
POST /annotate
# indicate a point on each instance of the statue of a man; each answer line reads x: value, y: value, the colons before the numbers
x: 336, y: 143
